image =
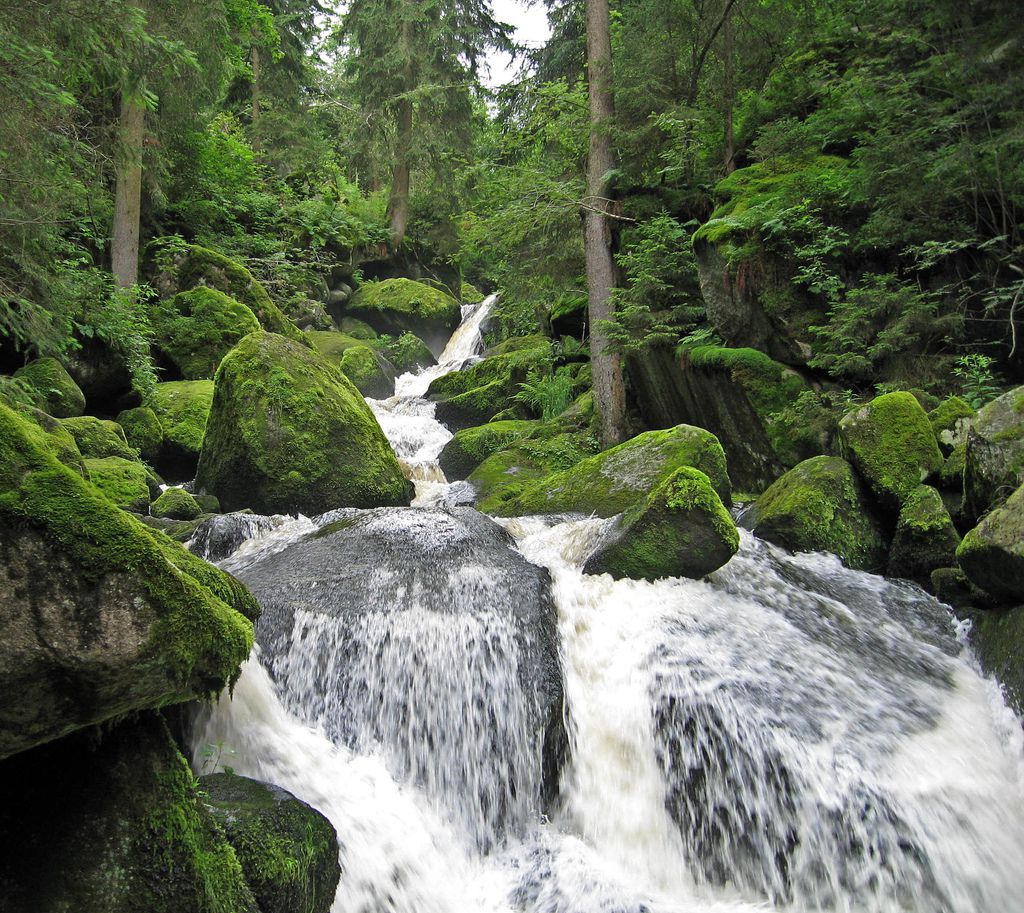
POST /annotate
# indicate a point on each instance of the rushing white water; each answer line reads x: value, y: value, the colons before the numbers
x: 786, y: 735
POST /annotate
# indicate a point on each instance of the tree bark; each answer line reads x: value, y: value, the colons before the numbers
x: 609, y: 387
x: 398, y: 205
x: 729, y: 90
x: 124, y: 245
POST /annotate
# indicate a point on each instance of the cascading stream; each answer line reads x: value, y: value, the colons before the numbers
x: 786, y: 735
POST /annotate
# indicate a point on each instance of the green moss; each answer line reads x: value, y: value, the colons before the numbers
x: 470, y: 293
x: 952, y: 474
x: 124, y: 482
x: 333, y: 345
x: 143, y: 431
x: 890, y: 442
x: 992, y: 554
x: 16, y: 391
x: 681, y: 529
x: 996, y: 637
x: 471, y: 446
x: 611, y: 482
x: 60, y: 441
x: 197, y: 638
x: 945, y: 415
x: 97, y: 438
x: 519, y: 344
x: 820, y: 505
x: 288, y: 431
x: 925, y: 538
x: 201, y: 266
x: 362, y: 366
x: 176, y: 504
x: 357, y: 329
x: 395, y: 305
x: 60, y: 395
x: 196, y: 329
x: 182, y: 408
x: 287, y: 850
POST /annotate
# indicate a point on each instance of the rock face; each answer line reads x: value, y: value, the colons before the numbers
x: 821, y: 505
x: 288, y: 851
x: 736, y: 394
x: 949, y: 421
x: 925, y: 538
x: 992, y: 554
x: 61, y: 396
x: 369, y: 372
x: 682, y: 529
x: 112, y: 822
x: 395, y: 305
x: 462, y: 711
x: 891, y: 443
x: 196, y: 329
x: 996, y: 637
x: 182, y: 409
x: 288, y: 432
x: 198, y: 266
x: 994, y: 464
x: 122, y: 620
x: 622, y: 477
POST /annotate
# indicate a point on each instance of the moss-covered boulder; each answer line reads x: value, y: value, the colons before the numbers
x: 356, y: 328
x: 408, y: 353
x: 143, y: 431
x: 97, y: 438
x: 333, y: 345
x: 368, y: 371
x: 821, y: 506
x: 122, y: 619
x: 125, y: 482
x: 949, y: 420
x: 471, y: 446
x: 891, y: 443
x: 287, y: 850
x: 396, y: 305
x: 681, y: 529
x: 996, y: 637
x: 474, y: 395
x: 182, y: 407
x: 197, y: 266
x: 175, y: 504
x: 61, y: 442
x: 113, y: 822
x: 288, y: 432
x: 994, y: 461
x: 194, y: 330
x: 925, y: 538
x: 60, y: 395
x: 616, y: 480
x: 992, y: 554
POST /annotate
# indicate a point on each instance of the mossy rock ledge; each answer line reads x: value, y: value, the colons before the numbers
x: 682, y: 529
x: 61, y: 396
x: 891, y: 444
x: 471, y: 446
x: 821, y: 506
x: 288, y: 851
x: 113, y: 822
x: 289, y: 432
x: 622, y: 477
x: 123, y: 619
x: 992, y: 554
x: 394, y: 306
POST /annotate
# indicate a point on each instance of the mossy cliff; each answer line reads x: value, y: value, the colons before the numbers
x: 123, y: 619
x: 289, y: 432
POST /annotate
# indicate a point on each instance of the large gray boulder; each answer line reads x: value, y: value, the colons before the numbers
x: 994, y: 462
x: 992, y: 554
x: 435, y: 639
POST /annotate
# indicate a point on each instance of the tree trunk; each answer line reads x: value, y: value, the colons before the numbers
x: 729, y: 90
x: 609, y: 387
x: 124, y: 246
x: 398, y: 206
x: 257, y: 72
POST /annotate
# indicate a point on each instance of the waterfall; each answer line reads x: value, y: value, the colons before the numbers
x: 786, y: 735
